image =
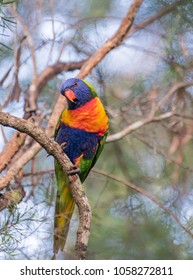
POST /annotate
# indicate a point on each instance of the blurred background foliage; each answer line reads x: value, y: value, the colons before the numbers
x: 157, y: 157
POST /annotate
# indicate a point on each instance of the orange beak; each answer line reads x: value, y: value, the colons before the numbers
x: 70, y: 94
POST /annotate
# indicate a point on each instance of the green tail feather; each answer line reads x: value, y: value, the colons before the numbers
x: 63, y: 210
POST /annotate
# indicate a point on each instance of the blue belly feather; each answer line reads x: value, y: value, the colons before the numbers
x: 77, y: 142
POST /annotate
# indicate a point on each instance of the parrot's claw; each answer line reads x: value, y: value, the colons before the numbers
x: 63, y: 145
x: 75, y: 170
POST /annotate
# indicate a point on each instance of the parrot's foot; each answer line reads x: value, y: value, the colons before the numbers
x: 75, y: 170
x: 63, y: 145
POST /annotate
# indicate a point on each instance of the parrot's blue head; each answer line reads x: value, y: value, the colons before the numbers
x: 77, y: 92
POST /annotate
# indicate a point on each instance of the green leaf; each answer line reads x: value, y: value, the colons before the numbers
x: 7, y: 2
x: 8, y: 19
x: 5, y: 46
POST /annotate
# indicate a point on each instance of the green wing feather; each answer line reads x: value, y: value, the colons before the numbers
x: 86, y: 165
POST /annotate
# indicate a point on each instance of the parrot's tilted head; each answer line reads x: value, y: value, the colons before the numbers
x: 77, y: 92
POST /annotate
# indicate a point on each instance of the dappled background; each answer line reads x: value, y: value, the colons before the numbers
x: 141, y: 190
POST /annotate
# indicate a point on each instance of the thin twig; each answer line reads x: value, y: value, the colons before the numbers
x: 51, y: 4
x: 172, y: 90
x: 151, y: 19
x: 136, y: 125
x: 28, y: 37
x: 39, y: 173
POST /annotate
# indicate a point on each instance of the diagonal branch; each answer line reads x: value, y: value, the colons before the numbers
x: 175, y: 87
x: 17, y: 140
x: 136, y: 125
x: 151, y: 19
x: 75, y: 186
x: 113, y: 42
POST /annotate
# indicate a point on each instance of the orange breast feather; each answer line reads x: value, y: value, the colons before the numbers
x: 91, y: 117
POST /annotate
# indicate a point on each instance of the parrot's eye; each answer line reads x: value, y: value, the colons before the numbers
x: 75, y: 84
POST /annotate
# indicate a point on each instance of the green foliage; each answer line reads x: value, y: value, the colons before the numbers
x: 143, y: 239
x: 14, y: 227
x: 6, y: 22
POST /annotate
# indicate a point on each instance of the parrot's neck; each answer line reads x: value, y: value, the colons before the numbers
x: 91, y: 117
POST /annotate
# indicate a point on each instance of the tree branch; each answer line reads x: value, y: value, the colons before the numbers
x: 11, y: 148
x: 113, y: 42
x: 175, y: 87
x: 136, y: 125
x: 75, y: 186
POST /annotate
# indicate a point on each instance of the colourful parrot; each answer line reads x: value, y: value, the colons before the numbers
x: 81, y: 131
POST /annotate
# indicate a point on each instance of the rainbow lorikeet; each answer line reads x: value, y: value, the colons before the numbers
x: 81, y: 130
